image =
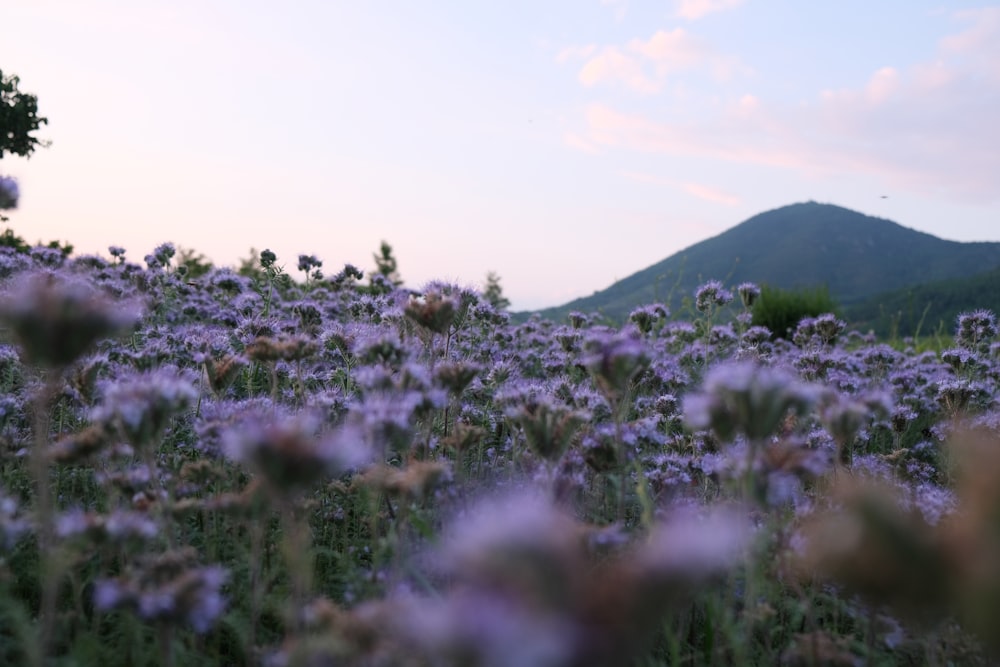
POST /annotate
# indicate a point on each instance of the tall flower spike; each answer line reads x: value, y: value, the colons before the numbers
x: 56, y: 319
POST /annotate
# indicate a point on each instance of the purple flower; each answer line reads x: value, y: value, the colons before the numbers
x: 292, y: 453
x: 646, y: 317
x: 307, y: 262
x: 749, y: 293
x: 9, y: 193
x: 976, y: 329
x: 12, y: 524
x: 56, y: 319
x: 143, y: 405
x: 167, y: 593
x: 614, y: 360
x: 711, y: 295
x: 747, y: 398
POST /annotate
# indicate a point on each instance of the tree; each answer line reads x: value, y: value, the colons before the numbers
x: 385, y: 264
x: 8, y: 239
x: 195, y: 263
x: 494, y: 292
x: 19, y: 119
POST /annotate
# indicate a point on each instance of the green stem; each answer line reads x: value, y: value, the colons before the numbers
x: 49, y: 570
x: 296, y: 544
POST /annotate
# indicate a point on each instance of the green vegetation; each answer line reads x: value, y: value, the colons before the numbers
x: 928, y: 308
x: 8, y: 239
x: 493, y: 292
x: 781, y: 310
x: 19, y: 119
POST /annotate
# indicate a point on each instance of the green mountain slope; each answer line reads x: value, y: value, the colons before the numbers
x: 931, y: 307
x: 801, y: 245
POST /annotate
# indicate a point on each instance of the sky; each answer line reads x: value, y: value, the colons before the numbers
x: 563, y: 144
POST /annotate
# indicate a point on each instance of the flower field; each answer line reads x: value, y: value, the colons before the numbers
x: 248, y: 470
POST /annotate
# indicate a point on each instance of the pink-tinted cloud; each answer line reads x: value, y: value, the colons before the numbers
x: 696, y: 9
x: 644, y: 65
x: 576, y: 53
x: 709, y: 193
x: 577, y: 142
x: 699, y: 190
x: 671, y: 51
x: 929, y: 128
x: 611, y: 65
x: 620, y: 7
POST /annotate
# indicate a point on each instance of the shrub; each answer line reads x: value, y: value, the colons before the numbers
x: 781, y: 310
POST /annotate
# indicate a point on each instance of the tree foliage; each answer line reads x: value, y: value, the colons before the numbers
x: 8, y: 239
x: 386, y: 266
x: 493, y: 292
x: 19, y: 119
x: 195, y: 263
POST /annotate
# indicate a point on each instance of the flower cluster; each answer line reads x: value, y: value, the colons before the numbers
x: 252, y: 469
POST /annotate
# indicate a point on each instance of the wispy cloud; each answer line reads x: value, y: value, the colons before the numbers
x: 575, y: 53
x: 709, y: 193
x: 611, y: 65
x: 643, y: 65
x: 577, y: 142
x: 930, y: 127
x: 696, y: 9
x: 699, y: 190
x: 620, y: 7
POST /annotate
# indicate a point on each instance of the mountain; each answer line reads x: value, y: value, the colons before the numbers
x: 929, y: 308
x: 801, y: 245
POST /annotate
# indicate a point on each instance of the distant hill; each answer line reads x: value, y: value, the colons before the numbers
x: 801, y: 245
x: 933, y: 307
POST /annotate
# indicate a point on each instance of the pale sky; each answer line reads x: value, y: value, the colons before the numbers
x: 563, y: 144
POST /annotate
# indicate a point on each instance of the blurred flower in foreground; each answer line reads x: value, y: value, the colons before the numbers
x: 169, y: 589
x: 749, y: 399
x: 56, y: 319
x: 526, y: 550
x: 614, y: 360
x: 143, y: 405
x: 531, y: 586
x: 879, y: 544
x: 291, y: 453
x: 9, y: 193
x: 549, y: 426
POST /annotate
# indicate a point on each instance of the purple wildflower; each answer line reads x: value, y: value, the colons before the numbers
x: 9, y: 193
x: 747, y: 398
x: 614, y: 360
x: 56, y: 319
x: 292, y: 453
x: 143, y: 405
x: 976, y: 329
x: 711, y: 295
x: 749, y: 293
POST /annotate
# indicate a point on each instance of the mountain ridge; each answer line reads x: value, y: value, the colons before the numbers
x: 799, y: 245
